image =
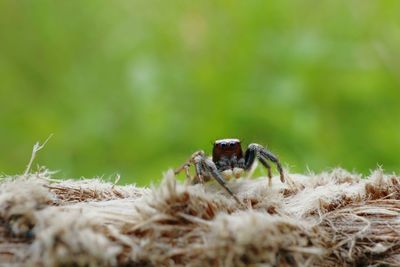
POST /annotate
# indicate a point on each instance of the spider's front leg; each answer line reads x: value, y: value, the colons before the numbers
x: 204, y: 169
x: 262, y: 154
x: 212, y: 169
x: 195, y: 160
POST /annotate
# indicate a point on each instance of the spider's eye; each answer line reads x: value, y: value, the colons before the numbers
x: 231, y: 144
x: 223, y: 145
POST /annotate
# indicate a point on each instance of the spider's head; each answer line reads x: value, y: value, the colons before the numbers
x: 227, y: 148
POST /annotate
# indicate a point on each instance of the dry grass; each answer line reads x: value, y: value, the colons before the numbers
x: 330, y: 219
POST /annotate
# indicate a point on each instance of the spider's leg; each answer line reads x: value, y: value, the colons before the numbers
x: 191, y: 161
x: 268, y: 167
x: 210, y: 165
x: 262, y: 154
x: 205, y: 167
x: 199, y: 168
x: 249, y: 158
x: 187, y: 173
x: 268, y: 155
x: 181, y: 168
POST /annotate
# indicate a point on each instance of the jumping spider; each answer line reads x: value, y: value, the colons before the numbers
x: 228, y: 161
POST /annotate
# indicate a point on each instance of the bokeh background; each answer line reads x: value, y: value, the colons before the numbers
x: 134, y: 87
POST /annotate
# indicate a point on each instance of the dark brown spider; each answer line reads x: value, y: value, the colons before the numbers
x: 228, y: 161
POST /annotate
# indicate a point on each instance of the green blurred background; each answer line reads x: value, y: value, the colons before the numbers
x: 134, y: 87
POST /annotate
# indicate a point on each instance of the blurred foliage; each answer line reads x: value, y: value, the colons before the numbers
x: 134, y: 87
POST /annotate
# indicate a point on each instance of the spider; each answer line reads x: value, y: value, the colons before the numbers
x: 228, y: 161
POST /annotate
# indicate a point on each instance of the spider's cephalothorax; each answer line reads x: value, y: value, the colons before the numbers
x: 228, y: 161
x: 228, y: 157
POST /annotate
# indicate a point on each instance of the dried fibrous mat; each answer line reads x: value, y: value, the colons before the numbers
x: 331, y: 219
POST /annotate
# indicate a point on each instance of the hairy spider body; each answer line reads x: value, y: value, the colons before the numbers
x: 228, y: 161
x: 228, y: 157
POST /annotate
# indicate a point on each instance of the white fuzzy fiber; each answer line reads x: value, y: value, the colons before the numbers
x: 330, y: 219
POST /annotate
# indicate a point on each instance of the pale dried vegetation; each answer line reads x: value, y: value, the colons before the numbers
x: 330, y: 219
